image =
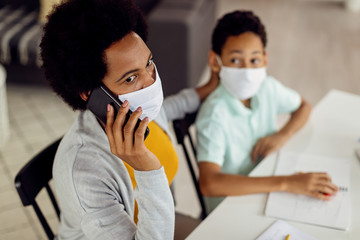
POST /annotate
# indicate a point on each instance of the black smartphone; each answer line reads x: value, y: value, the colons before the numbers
x: 97, y: 103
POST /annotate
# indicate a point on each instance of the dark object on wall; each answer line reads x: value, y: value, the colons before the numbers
x: 179, y: 38
x: 147, y: 5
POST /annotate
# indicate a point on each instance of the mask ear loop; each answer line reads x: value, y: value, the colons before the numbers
x: 219, y: 60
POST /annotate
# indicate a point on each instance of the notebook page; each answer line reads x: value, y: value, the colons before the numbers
x: 334, y: 213
x: 280, y: 229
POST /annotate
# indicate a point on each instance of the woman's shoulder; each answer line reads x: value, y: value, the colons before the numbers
x: 85, y: 148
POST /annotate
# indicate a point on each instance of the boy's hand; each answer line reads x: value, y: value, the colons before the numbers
x: 317, y: 185
x: 125, y: 143
x: 267, y: 145
x: 210, y: 86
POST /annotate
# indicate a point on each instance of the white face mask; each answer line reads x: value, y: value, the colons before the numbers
x: 242, y: 83
x: 150, y: 99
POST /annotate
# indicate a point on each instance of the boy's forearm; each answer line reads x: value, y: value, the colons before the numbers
x: 297, y: 120
x: 233, y: 185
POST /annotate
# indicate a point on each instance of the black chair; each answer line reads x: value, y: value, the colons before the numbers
x: 35, y: 176
x: 181, y: 128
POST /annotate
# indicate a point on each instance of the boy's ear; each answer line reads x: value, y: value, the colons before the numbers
x: 85, y: 95
x: 213, y: 62
x: 265, y: 58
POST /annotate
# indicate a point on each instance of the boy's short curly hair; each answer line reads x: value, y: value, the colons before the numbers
x: 75, y: 37
x: 234, y: 24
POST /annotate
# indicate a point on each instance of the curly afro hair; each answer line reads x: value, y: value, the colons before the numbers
x: 75, y: 37
x: 234, y: 24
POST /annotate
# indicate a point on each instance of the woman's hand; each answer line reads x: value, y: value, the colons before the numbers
x: 125, y: 142
x: 317, y: 185
x: 267, y: 145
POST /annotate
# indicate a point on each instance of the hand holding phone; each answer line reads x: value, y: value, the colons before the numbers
x: 127, y: 143
x: 99, y: 99
x: 124, y: 144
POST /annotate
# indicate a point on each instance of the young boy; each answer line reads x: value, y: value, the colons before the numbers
x: 236, y: 125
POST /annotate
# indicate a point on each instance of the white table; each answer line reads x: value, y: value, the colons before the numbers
x: 352, y: 5
x: 333, y: 130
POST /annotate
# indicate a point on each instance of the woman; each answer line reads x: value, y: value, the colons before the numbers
x: 110, y: 183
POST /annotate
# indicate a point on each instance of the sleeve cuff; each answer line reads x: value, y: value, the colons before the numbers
x: 155, y: 179
x: 192, y: 98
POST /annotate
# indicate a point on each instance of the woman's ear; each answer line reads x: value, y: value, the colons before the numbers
x: 213, y: 62
x: 85, y: 95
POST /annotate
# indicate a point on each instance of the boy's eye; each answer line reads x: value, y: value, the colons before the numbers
x: 130, y: 79
x: 255, y: 61
x: 235, y: 61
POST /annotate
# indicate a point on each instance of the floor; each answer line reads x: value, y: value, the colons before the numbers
x: 314, y: 46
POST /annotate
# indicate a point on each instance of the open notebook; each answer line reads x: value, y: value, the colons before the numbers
x: 334, y: 213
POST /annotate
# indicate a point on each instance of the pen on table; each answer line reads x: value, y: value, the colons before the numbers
x: 288, y: 237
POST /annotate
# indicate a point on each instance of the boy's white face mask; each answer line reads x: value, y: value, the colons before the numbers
x: 150, y: 99
x: 242, y: 83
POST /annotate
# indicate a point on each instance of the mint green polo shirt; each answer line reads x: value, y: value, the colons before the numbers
x: 227, y: 130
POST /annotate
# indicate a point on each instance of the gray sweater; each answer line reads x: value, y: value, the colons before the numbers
x: 94, y: 189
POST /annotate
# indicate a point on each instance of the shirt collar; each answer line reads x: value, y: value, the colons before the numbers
x: 237, y: 105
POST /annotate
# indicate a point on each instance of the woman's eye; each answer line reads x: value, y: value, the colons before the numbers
x: 151, y: 61
x: 255, y: 61
x: 130, y: 79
